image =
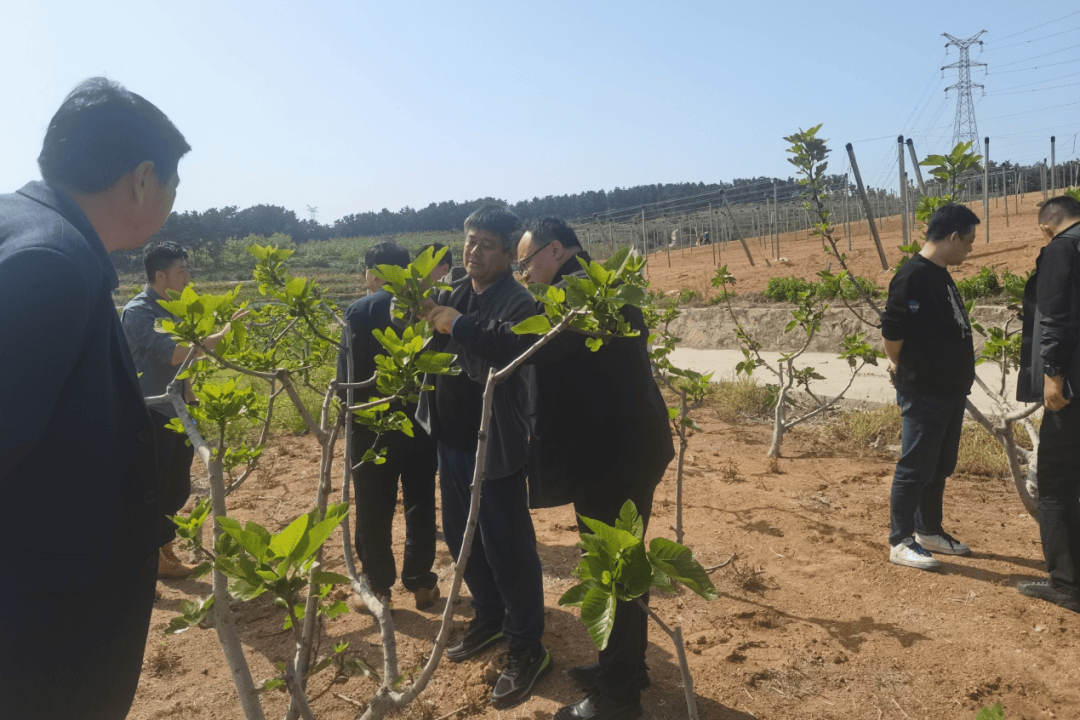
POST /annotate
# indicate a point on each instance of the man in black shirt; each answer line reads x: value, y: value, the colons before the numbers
x: 1050, y: 369
x: 503, y: 572
x: 932, y: 365
x: 410, y: 458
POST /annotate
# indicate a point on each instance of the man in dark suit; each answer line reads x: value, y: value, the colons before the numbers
x: 412, y: 459
x: 1049, y: 373
x: 77, y: 467
x: 600, y: 436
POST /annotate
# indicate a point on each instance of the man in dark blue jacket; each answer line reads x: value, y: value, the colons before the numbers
x: 77, y: 468
x: 600, y: 437
x: 412, y: 459
x: 1050, y: 369
x: 503, y: 572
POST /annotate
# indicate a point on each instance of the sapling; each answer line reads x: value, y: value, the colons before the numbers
x: 690, y: 386
x: 806, y: 317
x: 616, y: 565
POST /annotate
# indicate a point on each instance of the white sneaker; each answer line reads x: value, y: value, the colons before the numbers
x: 912, y: 554
x: 943, y: 543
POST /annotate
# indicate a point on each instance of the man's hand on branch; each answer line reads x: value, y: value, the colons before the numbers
x: 442, y: 317
x: 211, y: 341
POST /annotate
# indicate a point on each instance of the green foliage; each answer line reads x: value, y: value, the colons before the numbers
x: 787, y: 289
x: 616, y: 565
x: 192, y: 613
x: 808, y: 155
x: 987, y: 284
x: 991, y: 713
x: 411, y: 285
x: 829, y: 286
x: 948, y: 168
x: 926, y: 206
x: 1073, y: 192
x: 983, y: 284
x: 259, y: 562
x: 593, y: 301
x: 688, y: 295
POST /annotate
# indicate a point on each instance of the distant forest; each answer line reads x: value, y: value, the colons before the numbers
x: 207, y: 231
x: 195, y: 229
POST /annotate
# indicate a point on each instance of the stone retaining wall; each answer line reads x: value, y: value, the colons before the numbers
x: 711, y: 328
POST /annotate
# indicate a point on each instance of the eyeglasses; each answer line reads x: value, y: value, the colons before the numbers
x: 522, y: 265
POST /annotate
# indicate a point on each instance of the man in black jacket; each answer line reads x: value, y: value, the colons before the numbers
x: 412, y: 459
x: 77, y: 466
x: 503, y: 572
x: 1050, y: 369
x: 928, y: 341
x: 600, y: 437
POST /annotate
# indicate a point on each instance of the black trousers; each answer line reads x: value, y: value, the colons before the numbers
x: 413, y: 460
x: 503, y: 573
x: 622, y: 662
x: 174, y: 456
x: 1059, y: 496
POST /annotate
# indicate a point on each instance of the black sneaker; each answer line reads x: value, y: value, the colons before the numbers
x: 585, y: 676
x: 1043, y: 590
x: 523, y: 668
x: 476, y: 639
x: 596, y: 706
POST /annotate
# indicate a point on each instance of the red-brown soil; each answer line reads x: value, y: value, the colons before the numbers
x: 812, y: 621
x: 1014, y: 248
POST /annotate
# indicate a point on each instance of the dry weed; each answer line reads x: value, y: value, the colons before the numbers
x: 749, y: 579
x: 161, y: 662
x: 729, y: 471
x: 786, y: 682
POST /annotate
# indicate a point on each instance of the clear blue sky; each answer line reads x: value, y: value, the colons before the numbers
x: 358, y: 106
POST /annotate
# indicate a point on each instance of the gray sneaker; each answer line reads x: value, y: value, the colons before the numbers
x: 524, y: 666
x: 943, y: 543
x: 912, y: 554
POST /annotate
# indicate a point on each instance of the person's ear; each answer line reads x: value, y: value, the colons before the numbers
x: 141, y: 178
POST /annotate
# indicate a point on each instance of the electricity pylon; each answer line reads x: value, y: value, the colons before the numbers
x: 964, y: 128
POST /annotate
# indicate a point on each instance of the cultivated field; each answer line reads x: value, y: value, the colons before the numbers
x: 812, y: 621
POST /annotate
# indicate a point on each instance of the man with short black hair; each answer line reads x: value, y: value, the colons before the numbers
x: 931, y: 355
x: 157, y: 358
x: 412, y: 459
x: 1049, y: 372
x: 76, y: 442
x: 503, y: 572
x: 600, y: 437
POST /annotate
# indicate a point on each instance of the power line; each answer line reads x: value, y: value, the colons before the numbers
x: 1048, y: 22
x: 1037, y: 67
x: 1025, y: 42
x: 1052, y: 52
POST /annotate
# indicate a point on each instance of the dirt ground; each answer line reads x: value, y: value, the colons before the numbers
x: 1014, y: 247
x: 812, y: 621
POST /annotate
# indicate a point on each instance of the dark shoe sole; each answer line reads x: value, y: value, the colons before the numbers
x: 620, y: 712
x: 1043, y: 591
x: 472, y: 652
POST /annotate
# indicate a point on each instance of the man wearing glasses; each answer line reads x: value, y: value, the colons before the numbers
x: 600, y: 437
